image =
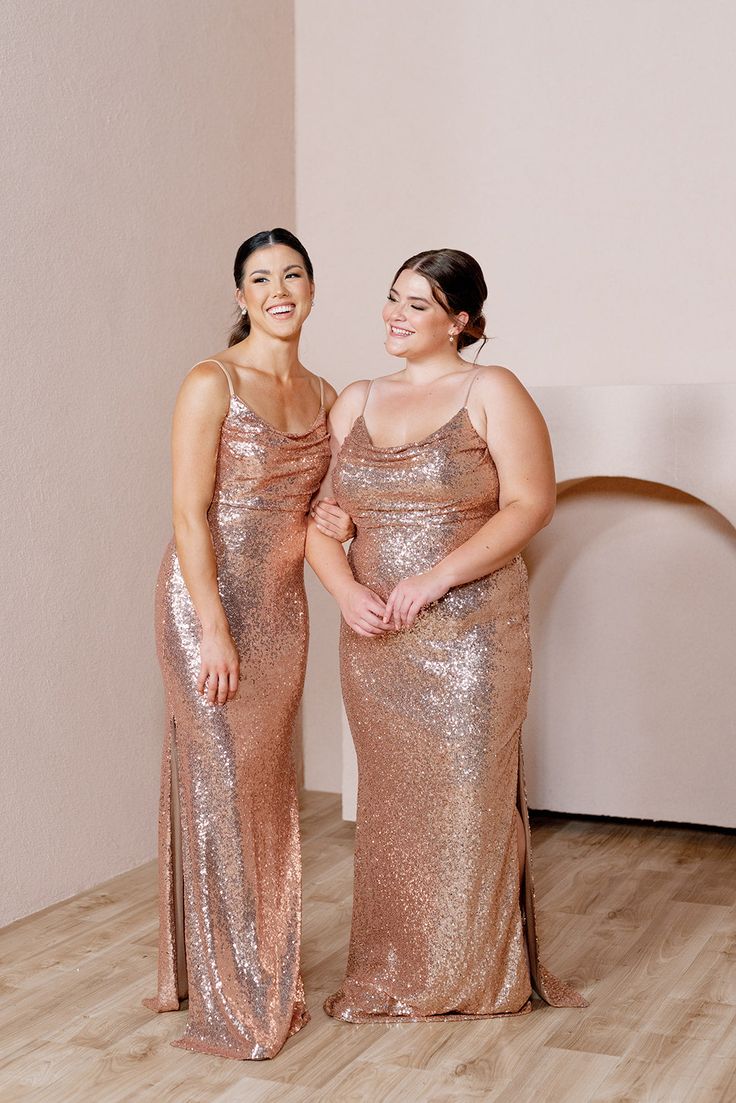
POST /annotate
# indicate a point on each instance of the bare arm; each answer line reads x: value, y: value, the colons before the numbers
x: 362, y: 609
x: 200, y: 409
x: 324, y: 510
x: 518, y: 438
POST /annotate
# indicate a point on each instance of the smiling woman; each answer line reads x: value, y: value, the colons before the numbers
x: 446, y: 487
x: 250, y: 447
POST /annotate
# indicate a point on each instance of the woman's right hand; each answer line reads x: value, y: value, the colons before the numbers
x: 363, y: 610
x: 220, y: 666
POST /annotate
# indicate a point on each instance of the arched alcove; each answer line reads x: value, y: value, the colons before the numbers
x: 633, y: 591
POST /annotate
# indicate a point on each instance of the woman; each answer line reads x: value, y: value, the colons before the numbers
x: 446, y: 470
x: 250, y: 448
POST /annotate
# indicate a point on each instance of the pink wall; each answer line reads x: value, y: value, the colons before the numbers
x: 145, y: 142
x: 633, y: 591
x: 584, y: 153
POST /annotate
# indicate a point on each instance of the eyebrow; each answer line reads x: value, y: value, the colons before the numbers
x: 267, y: 271
x: 413, y: 298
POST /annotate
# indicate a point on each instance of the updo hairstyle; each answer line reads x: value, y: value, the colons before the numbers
x: 261, y: 240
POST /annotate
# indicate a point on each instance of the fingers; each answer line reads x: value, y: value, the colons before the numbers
x: 361, y: 631
x: 402, y: 609
x: 373, y: 620
x: 334, y: 531
x: 217, y: 687
x: 365, y: 628
x: 331, y: 520
x: 329, y: 527
x: 413, y: 612
x: 328, y: 514
x: 375, y: 606
x: 391, y: 613
x: 211, y: 688
x: 202, y: 679
x: 232, y: 684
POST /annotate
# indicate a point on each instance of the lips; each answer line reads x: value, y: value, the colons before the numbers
x: 281, y: 310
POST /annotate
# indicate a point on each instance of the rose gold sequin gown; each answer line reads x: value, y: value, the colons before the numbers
x: 238, y: 854
x: 436, y: 714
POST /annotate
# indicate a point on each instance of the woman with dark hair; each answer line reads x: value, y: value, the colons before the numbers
x: 446, y: 470
x: 250, y: 448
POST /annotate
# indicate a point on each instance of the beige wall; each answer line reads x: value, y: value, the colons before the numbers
x: 632, y: 596
x: 145, y: 142
x: 582, y: 151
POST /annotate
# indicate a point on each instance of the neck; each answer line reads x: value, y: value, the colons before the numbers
x: 429, y: 368
x: 278, y: 357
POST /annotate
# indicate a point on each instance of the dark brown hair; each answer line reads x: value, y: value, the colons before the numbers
x: 261, y: 240
x: 457, y: 284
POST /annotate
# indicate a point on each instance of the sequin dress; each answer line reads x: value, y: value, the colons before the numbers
x: 237, y: 854
x: 436, y: 711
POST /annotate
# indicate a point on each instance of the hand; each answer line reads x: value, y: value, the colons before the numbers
x: 411, y: 595
x: 220, y: 666
x: 332, y: 521
x: 362, y: 610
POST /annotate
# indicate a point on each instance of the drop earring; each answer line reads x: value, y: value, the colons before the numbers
x: 452, y: 338
x: 244, y: 311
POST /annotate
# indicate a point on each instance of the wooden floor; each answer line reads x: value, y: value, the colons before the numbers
x: 642, y: 918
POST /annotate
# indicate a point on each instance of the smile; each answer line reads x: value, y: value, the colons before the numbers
x: 396, y: 332
x: 277, y: 311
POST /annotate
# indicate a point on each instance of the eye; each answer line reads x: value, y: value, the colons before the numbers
x: 391, y: 299
x: 294, y: 276
x: 259, y: 279
x: 414, y: 307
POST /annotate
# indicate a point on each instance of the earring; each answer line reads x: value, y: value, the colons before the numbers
x: 452, y: 338
x: 244, y: 311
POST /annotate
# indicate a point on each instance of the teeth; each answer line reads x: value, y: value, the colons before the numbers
x: 401, y: 332
x: 280, y: 310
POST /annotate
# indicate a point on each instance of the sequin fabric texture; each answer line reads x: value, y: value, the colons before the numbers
x: 239, y: 838
x: 436, y: 711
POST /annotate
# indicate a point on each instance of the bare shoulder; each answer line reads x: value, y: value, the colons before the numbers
x: 495, y: 380
x: 501, y: 392
x: 205, y: 387
x: 352, y: 398
x: 346, y: 408
x: 500, y: 402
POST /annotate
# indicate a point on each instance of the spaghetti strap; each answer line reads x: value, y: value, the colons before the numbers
x: 365, y: 400
x: 467, y: 393
x: 211, y: 360
x: 321, y: 392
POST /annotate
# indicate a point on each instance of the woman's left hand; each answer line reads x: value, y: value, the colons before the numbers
x: 333, y: 521
x: 411, y: 595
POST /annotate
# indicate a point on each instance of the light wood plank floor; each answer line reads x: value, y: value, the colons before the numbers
x: 643, y: 918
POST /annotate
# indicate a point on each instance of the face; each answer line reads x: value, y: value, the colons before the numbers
x: 277, y: 291
x: 416, y: 324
